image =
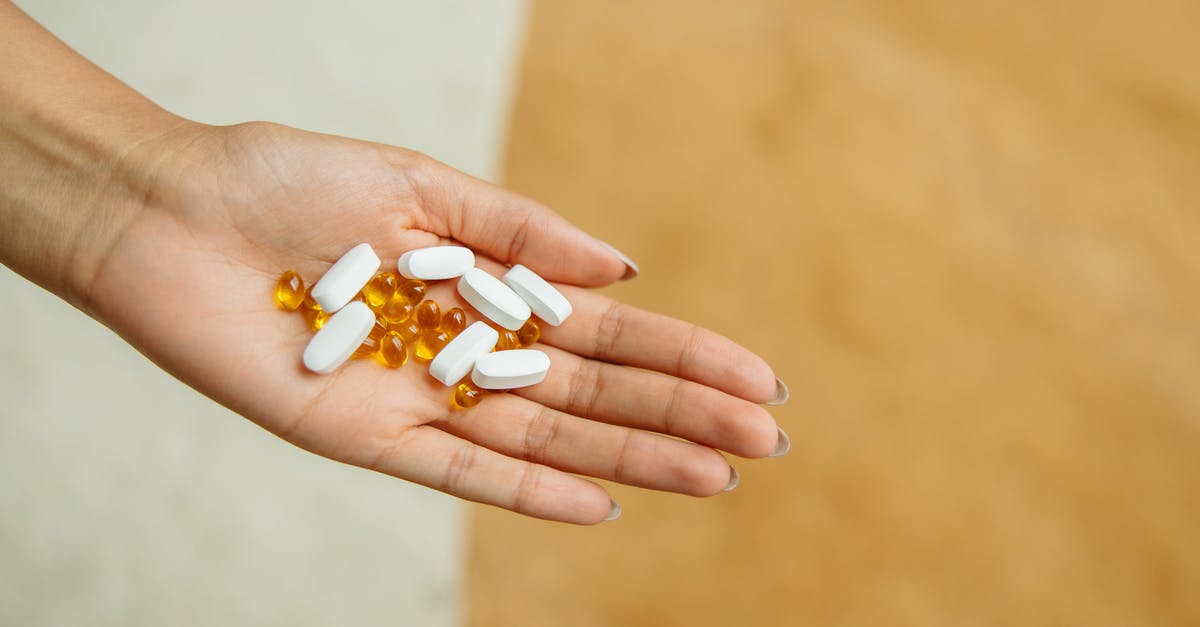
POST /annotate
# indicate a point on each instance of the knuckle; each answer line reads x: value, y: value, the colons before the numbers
x: 525, y: 494
x: 691, y: 348
x: 584, y: 388
x: 609, y: 330
x: 520, y: 235
x: 620, y: 469
x: 674, y: 405
x: 457, y: 469
x: 540, y: 433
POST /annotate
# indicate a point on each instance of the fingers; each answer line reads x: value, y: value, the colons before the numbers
x: 530, y: 431
x: 448, y: 464
x: 642, y: 399
x: 607, y: 330
x: 514, y: 229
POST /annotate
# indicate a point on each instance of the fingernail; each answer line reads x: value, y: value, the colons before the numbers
x: 631, y: 268
x: 614, y: 512
x: 782, y: 445
x: 734, y: 479
x: 781, y: 393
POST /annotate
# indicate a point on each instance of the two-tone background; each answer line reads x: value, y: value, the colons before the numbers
x: 967, y: 235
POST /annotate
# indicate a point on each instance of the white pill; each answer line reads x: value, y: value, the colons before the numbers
x: 343, y: 332
x: 547, y: 302
x: 505, y: 370
x: 436, y: 262
x: 345, y: 278
x: 458, y: 357
x: 493, y: 299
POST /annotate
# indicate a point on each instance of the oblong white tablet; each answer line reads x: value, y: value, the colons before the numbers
x: 493, y: 299
x: 458, y: 357
x: 505, y: 370
x: 337, y: 340
x: 544, y: 299
x: 436, y: 262
x: 345, y: 278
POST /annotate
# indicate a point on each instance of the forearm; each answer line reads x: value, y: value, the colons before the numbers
x: 76, y: 150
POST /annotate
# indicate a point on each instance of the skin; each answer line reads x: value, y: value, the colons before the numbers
x: 173, y: 234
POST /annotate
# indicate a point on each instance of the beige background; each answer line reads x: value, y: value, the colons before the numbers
x: 966, y: 234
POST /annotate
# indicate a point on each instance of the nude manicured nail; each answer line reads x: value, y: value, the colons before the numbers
x: 631, y: 268
x: 782, y: 445
x: 734, y: 479
x: 614, y: 512
x: 781, y: 393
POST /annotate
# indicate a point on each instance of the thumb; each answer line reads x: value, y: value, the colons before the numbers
x: 514, y: 229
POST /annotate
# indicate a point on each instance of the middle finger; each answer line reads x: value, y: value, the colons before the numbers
x: 643, y: 399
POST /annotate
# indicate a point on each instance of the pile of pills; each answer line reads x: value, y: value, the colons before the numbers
x: 359, y: 312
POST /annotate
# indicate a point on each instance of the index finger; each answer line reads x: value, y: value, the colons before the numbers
x: 514, y: 229
x: 608, y: 330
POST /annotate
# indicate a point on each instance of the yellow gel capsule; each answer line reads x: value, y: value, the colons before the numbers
x: 466, y: 395
x: 529, y: 333
x: 380, y: 289
x: 393, y: 351
x: 412, y: 290
x: 396, y: 310
x: 430, y: 344
x: 371, y: 345
x: 289, y: 290
x: 429, y: 315
x: 312, y: 312
x: 454, y: 321
x: 315, y: 318
x: 408, y: 330
x: 508, y: 341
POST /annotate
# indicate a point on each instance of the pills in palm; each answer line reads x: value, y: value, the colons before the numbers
x: 340, y: 336
x: 466, y: 395
x: 429, y: 314
x: 544, y: 299
x: 493, y: 299
x: 412, y: 291
x: 381, y: 289
x: 431, y: 343
x: 505, y: 370
x: 358, y: 311
x: 529, y: 334
x: 393, y: 350
x: 508, y: 341
x: 458, y: 357
x: 289, y: 290
x: 436, y: 262
x: 396, y: 310
x: 345, y: 278
x: 454, y: 320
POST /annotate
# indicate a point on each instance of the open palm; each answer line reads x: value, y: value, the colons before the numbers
x: 189, y: 281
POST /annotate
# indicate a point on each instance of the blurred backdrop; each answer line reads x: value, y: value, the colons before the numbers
x: 967, y: 235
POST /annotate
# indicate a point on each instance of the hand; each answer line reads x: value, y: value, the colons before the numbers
x: 189, y: 281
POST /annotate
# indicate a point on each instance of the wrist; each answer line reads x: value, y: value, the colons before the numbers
x: 78, y: 152
x: 69, y: 186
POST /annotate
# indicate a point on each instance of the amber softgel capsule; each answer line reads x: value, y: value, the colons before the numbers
x: 429, y: 314
x: 289, y: 290
x: 381, y: 289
